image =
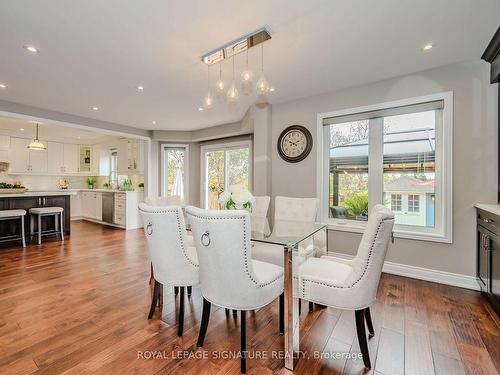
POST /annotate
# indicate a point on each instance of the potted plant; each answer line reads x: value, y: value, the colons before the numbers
x: 237, y: 198
x: 141, y: 185
x: 7, y: 188
x: 357, y: 206
x: 91, y: 181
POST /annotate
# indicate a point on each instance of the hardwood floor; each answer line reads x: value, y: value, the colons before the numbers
x: 81, y: 307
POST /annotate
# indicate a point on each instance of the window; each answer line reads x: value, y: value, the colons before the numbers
x: 397, y: 154
x: 396, y: 202
x: 224, y: 165
x: 174, y: 179
x: 113, y: 168
x: 413, y: 203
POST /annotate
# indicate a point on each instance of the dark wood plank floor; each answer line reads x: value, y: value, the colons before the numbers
x: 81, y: 307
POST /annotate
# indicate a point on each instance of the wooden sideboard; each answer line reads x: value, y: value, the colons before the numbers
x: 11, y: 227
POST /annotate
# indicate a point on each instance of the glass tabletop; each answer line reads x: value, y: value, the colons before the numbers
x: 286, y: 233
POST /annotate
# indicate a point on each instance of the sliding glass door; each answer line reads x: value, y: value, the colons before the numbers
x: 223, y: 166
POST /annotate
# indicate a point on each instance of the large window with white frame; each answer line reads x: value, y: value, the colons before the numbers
x: 398, y: 154
x: 223, y: 165
x: 174, y: 168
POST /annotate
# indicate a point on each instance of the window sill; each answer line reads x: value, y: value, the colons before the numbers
x: 359, y: 227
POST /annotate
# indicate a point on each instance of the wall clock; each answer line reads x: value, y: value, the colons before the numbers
x: 294, y: 143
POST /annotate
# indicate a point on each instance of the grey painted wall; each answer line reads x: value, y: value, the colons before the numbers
x: 475, y: 156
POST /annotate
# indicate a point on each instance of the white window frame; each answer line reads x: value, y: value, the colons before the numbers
x: 400, y: 196
x: 163, y: 187
x: 218, y: 147
x: 443, y: 232
x: 413, y: 200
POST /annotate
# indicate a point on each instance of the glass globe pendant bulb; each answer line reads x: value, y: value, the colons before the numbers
x: 246, y: 81
x: 262, y: 86
x: 232, y: 93
x: 208, y: 101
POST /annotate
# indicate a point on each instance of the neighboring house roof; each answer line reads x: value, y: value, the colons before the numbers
x: 408, y: 184
x: 408, y: 142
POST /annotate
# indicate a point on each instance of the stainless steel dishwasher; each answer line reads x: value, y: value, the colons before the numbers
x: 108, y: 207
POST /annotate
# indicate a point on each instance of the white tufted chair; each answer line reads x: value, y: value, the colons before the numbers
x: 229, y: 277
x: 287, y: 211
x: 351, y: 285
x: 258, y: 216
x: 174, y: 262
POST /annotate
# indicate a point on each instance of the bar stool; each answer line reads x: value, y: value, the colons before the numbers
x: 47, y: 211
x: 14, y: 214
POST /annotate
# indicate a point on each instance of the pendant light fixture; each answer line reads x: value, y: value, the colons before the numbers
x: 220, y: 85
x: 246, y: 79
x: 262, y: 86
x: 208, y: 101
x: 36, y: 144
x: 232, y: 93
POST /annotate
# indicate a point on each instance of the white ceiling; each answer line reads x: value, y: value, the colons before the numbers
x: 96, y: 52
x: 47, y: 131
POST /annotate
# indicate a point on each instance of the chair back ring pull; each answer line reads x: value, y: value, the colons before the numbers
x: 149, y: 229
x: 205, y: 239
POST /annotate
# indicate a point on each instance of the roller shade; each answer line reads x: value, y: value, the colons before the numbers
x: 415, y: 108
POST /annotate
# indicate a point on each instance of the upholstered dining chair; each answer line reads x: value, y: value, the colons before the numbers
x: 174, y: 262
x: 351, y: 284
x: 258, y: 217
x: 229, y: 278
x: 172, y: 200
x: 287, y: 211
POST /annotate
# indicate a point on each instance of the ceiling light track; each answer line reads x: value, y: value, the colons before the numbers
x: 236, y: 46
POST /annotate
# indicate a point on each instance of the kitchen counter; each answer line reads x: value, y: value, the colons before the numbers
x: 38, y: 193
x: 107, y: 190
x: 492, y: 208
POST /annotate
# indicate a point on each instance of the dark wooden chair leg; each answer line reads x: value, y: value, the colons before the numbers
x: 227, y: 312
x: 176, y: 290
x: 154, y: 300
x: 235, y: 313
x: 205, y: 316
x: 311, y: 306
x: 300, y: 306
x: 189, y: 290
x: 243, y: 342
x: 160, y: 295
x: 151, y: 277
x: 369, y: 322
x: 180, y: 325
x: 282, y: 313
x: 361, y: 330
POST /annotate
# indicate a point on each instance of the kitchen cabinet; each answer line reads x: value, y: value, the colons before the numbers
x: 488, y: 256
x: 92, y: 205
x: 55, y: 157
x: 85, y: 159
x: 24, y: 160
x: 70, y: 158
x: 76, y: 206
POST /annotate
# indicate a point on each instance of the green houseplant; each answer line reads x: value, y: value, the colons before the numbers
x: 91, y: 181
x: 357, y: 205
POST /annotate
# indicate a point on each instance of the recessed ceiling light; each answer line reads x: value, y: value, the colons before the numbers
x: 140, y: 88
x: 200, y: 109
x: 271, y: 89
x: 95, y: 108
x: 22, y: 129
x: 153, y: 122
x: 29, y: 48
x: 3, y: 86
x: 78, y: 137
x: 427, y: 47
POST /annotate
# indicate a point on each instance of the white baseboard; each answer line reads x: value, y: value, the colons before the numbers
x: 427, y: 274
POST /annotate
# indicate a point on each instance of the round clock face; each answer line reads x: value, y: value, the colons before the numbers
x: 294, y: 143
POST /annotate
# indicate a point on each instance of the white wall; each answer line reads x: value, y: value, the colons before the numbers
x: 475, y: 156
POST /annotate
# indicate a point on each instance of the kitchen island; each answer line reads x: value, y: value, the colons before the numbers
x: 31, y: 199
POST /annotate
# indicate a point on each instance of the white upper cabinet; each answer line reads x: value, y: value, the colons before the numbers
x: 19, y: 155
x: 70, y: 158
x: 55, y: 157
x: 38, y: 160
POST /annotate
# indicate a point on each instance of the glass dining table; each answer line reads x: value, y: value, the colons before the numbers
x: 298, y: 240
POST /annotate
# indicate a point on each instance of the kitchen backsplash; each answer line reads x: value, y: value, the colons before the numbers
x: 41, y: 182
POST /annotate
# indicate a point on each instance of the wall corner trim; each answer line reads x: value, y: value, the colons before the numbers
x: 421, y: 273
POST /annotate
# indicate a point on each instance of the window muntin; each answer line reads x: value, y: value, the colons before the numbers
x: 396, y: 202
x: 434, y: 166
x: 413, y: 203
